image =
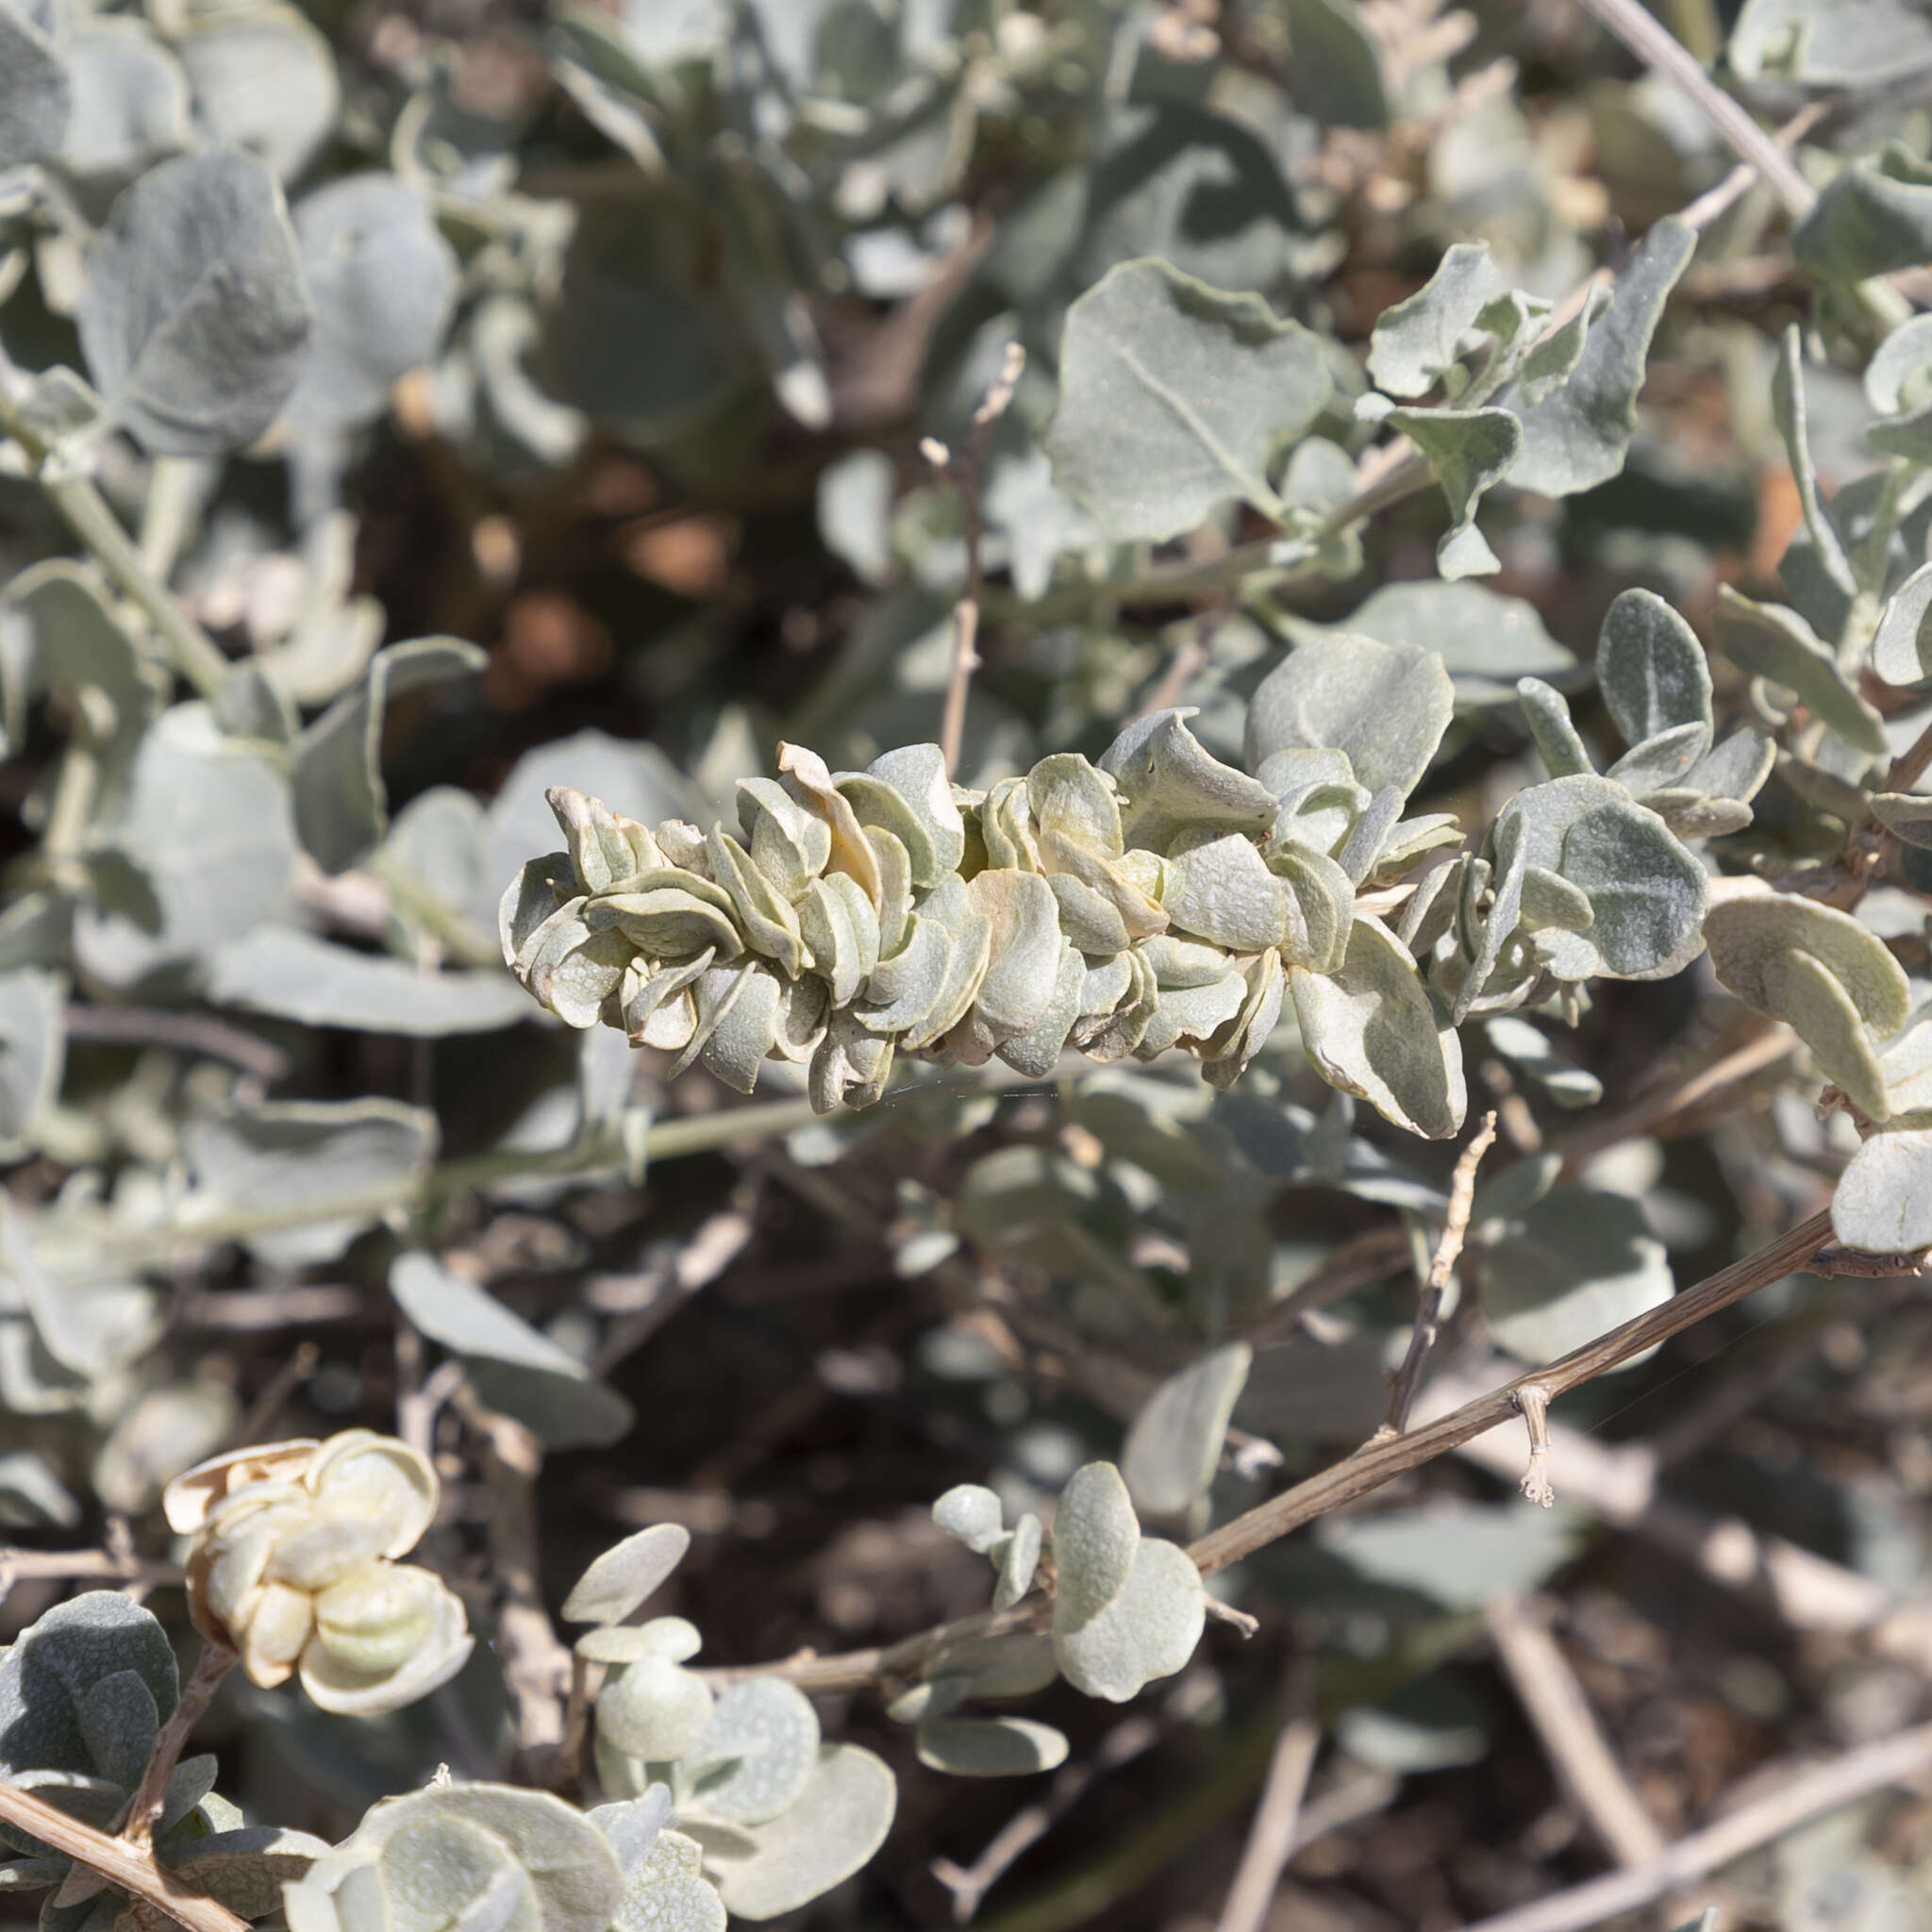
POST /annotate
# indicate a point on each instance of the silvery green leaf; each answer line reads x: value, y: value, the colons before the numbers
x: 210, y: 844
x: 302, y: 1153
x: 1548, y: 362
x: 1468, y: 451
x: 1873, y: 216
x: 1748, y: 934
x: 1015, y: 1665
x: 1486, y: 641
x: 1040, y: 521
x: 1529, y: 1050
x: 1174, y: 1447
x: 1577, y: 435
x: 382, y: 280
x: 1036, y: 1053
x: 1828, y: 43
x: 654, y: 1709
x: 1173, y: 399
x: 1814, y: 1002
x: 1899, y: 375
x: 36, y: 95
x: 1386, y: 705
x: 1018, y: 1557
x: 1577, y: 1263
x: 74, y: 1334
x: 1513, y: 1190
x: 1882, y: 1203
x: 990, y: 1747
x: 1337, y: 75
x: 1171, y: 783
x: 1024, y: 951
x: 625, y: 1643
x: 1370, y: 1030
x: 464, y: 1845
x: 250, y: 704
x: 854, y: 505
x: 1908, y: 814
x: 514, y: 1368
x: 1651, y: 669
x: 832, y: 1830
x: 1222, y: 891
x: 1418, y: 340
x: 633, y: 1824
x: 1734, y: 769
x: 264, y: 83
x: 194, y: 318
x: 294, y: 975
x: 130, y: 99
x: 1547, y: 715
x: 627, y: 1575
x: 971, y: 1514
x: 757, y: 1757
x: 32, y: 1497
x: 118, y: 1722
x: 1095, y: 1534
x: 33, y: 1045
x: 1646, y: 892
x: 1433, y: 1723
x: 77, y: 644
x: 165, y: 1431
x: 245, y: 1870
x: 1661, y: 761
x: 1901, y: 645
x: 1787, y: 410
x: 47, y: 1673
x: 668, y: 1891
x: 917, y: 773
x: 342, y: 805
x: 1149, y: 1629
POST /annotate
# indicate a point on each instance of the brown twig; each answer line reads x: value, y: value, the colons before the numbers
x: 1807, y: 1795
x: 1272, y: 1835
x: 78, y: 1566
x: 1428, y: 1317
x: 964, y: 471
x: 255, y: 1425
x: 1767, y: 1044
x: 1911, y: 764
x: 1377, y: 1463
x: 130, y: 1866
x: 215, y: 1663
x: 1575, y: 1746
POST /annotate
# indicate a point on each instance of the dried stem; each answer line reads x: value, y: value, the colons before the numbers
x: 1808, y: 1795
x: 964, y: 471
x: 1533, y: 1399
x: 130, y: 1866
x: 215, y: 1663
x: 1575, y: 1746
x: 1271, y: 1836
x: 1377, y: 1463
x: 1428, y: 1319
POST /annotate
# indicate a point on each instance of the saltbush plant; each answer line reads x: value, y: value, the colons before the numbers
x: 1167, y: 539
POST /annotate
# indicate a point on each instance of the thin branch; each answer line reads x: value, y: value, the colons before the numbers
x: 1271, y: 1836
x: 1911, y: 764
x: 1133, y: 1737
x: 215, y: 1663
x: 119, y: 1862
x: 1575, y: 1746
x: 1808, y: 1795
x: 1767, y: 1044
x: 1653, y: 43
x: 1428, y: 1317
x: 77, y: 1566
x: 1377, y: 1463
x: 1533, y: 1401
x: 964, y: 471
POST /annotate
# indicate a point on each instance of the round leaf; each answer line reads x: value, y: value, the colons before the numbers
x: 624, y: 1578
